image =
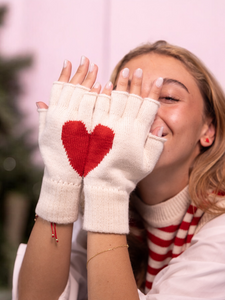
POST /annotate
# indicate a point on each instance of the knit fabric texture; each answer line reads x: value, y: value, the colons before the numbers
x: 122, y: 152
x: 170, y: 227
x: 64, y: 134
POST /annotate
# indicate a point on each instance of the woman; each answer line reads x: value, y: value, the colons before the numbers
x: 177, y: 169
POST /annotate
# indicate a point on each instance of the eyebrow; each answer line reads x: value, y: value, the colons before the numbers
x: 165, y: 81
x: 170, y: 80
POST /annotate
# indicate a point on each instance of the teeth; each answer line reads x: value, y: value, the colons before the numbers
x: 160, y: 132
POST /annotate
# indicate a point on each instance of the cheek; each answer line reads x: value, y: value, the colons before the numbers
x: 176, y: 119
x: 185, y: 123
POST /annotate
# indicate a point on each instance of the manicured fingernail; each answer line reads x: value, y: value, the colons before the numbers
x: 125, y: 72
x: 91, y: 68
x: 109, y: 85
x: 65, y: 63
x: 96, y: 85
x: 138, y: 73
x: 159, y: 82
x: 160, y: 132
x: 82, y: 60
x: 38, y: 106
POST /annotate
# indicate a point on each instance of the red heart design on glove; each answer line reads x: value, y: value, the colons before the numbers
x: 101, y: 141
x: 75, y: 139
x: 85, y: 151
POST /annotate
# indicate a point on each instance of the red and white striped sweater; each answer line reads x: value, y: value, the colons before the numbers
x: 170, y: 227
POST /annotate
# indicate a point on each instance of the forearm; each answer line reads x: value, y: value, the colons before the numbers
x: 110, y: 274
x: 45, y: 268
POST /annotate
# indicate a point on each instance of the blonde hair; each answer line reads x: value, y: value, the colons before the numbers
x: 207, y: 174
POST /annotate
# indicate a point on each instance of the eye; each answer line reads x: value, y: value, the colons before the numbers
x: 168, y: 99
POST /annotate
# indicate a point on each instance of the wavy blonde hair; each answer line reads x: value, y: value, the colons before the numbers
x: 207, y: 174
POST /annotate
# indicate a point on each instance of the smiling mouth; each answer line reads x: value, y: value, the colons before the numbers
x: 157, y: 129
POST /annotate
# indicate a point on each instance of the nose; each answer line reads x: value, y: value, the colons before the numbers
x: 160, y: 113
x: 156, y: 117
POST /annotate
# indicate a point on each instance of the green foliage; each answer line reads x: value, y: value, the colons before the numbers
x: 3, y: 10
x: 10, y: 89
x: 17, y: 170
x: 16, y: 167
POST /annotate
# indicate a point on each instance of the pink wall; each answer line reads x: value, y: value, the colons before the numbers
x: 104, y: 30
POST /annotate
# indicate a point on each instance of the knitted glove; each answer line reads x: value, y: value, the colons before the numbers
x: 63, y: 141
x: 121, y: 153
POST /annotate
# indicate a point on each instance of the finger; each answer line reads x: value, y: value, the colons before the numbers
x: 122, y: 83
x: 118, y: 103
x: 132, y: 107
x: 41, y: 105
x: 42, y: 109
x: 101, y: 109
x: 96, y: 88
x: 81, y: 72
x: 56, y: 92
x: 108, y: 89
x: 85, y: 111
x: 136, y: 82
x: 148, y: 111
x: 76, y: 97
x: 156, y: 89
x: 145, y: 89
x: 66, y: 94
x: 91, y: 76
x: 66, y: 71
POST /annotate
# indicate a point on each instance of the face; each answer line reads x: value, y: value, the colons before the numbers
x: 181, y: 110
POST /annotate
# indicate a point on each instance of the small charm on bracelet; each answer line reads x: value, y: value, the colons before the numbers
x: 53, y: 227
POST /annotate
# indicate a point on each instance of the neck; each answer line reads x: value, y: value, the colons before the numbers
x: 162, y: 185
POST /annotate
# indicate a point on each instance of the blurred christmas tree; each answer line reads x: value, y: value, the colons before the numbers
x: 19, y: 178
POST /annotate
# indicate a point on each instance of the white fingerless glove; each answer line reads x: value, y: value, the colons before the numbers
x: 122, y: 151
x: 63, y: 141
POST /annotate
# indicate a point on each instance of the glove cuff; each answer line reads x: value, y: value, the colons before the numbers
x: 106, y: 210
x: 58, y: 201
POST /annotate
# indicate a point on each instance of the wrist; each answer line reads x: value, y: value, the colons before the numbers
x: 97, y: 242
x: 106, y: 210
x: 58, y: 201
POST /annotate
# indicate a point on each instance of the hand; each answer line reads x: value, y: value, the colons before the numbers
x: 64, y: 139
x: 122, y: 151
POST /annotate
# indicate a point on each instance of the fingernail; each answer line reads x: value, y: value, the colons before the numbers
x: 160, y: 132
x: 91, y: 68
x: 159, y: 82
x: 125, y: 73
x: 37, y: 105
x: 138, y: 73
x: 65, y: 63
x: 96, y: 85
x: 109, y: 85
x: 82, y: 60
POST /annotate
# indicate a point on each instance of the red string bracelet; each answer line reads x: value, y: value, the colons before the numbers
x: 53, y: 227
x: 54, y: 234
